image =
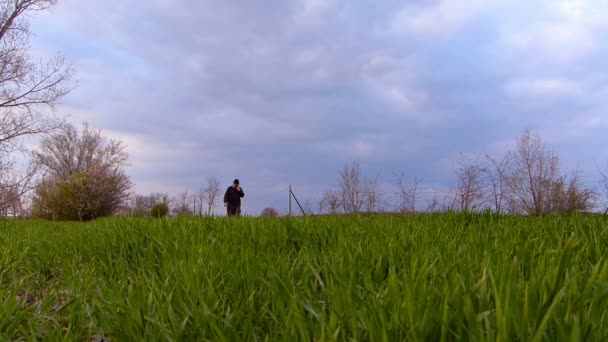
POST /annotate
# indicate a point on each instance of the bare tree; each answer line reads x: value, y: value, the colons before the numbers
x: 406, y: 194
x: 470, y: 190
x: 16, y: 180
x: 442, y: 201
x: 604, y: 185
x: 194, y: 205
x: 357, y: 192
x: 351, y: 192
x: 142, y: 204
x: 212, y: 191
x: 200, y: 200
x: 371, y: 195
x: 28, y: 88
x: 330, y: 202
x: 432, y: 205
x: 84, y: 174
x: 183, y: 203
x: 12, y: 205
x: 497, y: 173
x: 535, y: 171
x: 161, y: 197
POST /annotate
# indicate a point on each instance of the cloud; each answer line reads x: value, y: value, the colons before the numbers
x: 444, y: 17
x: 288, y: 93
x: 544, y: 88
x: 561, y: 43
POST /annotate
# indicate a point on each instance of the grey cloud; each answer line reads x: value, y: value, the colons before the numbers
x: 288, y: 91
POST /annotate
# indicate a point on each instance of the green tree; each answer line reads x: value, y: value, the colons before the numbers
x: 160, y: 210
x: 85, y: 177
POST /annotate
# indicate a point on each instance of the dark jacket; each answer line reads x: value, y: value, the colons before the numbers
x: 233, y: 196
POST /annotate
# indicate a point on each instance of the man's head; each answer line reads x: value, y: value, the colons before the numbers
x: 235, y: 183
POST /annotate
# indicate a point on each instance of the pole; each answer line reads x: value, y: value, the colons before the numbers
x: 290, y: 200
x: 298, y: 203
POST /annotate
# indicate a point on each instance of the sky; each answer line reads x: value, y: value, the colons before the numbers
x: 281, y: 93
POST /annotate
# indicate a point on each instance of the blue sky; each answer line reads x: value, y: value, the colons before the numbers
x: 287, y: 92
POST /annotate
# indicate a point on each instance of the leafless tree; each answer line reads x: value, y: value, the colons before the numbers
x: 432, y: 205
x: 12, y: 205
x: 193, y: 201
x: 84, y: 173
x: 212, y: 191
x: 371, y: 195
x: 497, y: 175
x: 330, y: 203
x: 161, y: 197
x: 200, y: 199
x: 69, y: 152
x: 406, y: 194
x: 350, y: 182
x: 16, y: 181
x: 183, y: 204
x: 29, y: 89
x: 470, y: 190
x: 142, y: 204
x: 535, y: 171
x: 443, y: 200
x: 356, y: 192
x: 604, y: 185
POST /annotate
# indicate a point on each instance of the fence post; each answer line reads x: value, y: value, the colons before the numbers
x: 291, y: 194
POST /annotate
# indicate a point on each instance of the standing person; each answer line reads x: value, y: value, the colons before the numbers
x: 232, y: 198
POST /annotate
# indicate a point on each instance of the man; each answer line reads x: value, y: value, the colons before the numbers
x: 232, y: 198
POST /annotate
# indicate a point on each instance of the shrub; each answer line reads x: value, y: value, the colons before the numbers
x: 160, y: 210
x: 269, y: 212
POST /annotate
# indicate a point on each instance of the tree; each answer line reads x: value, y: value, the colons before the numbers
x: 14, y: 183
x: 470, y: 190
x: 269, y: 212
x: 200, y: 199
x: 351, y: 192
x: 183, y: 203
x: 142, y: 204
x: 497, y: 172
x: 331, y: 202
x: 159, y: 210
x: 406, y: 194
x: 212, y: 192
x: 535, y: 171
x: 29, y: 90
x: 84, y: 175
x: 569, y: 196
x: 604, y: 185
x: 371, y: 195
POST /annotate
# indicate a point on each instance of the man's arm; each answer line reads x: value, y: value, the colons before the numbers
x: 241, y: 193
x: 226, y: 196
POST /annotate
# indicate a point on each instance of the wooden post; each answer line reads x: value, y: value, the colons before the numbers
x: 291, y: 194
x: 290, y: 200
x: 298, y: 203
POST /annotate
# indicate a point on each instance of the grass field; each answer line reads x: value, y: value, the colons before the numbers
x: 426, y: 277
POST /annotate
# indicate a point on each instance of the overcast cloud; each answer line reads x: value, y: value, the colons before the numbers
x: 286, y: 92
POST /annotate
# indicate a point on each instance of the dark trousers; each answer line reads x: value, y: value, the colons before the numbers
x: 234, y: 210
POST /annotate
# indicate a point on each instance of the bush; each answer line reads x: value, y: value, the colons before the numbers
x: 84, y: 196
x: 160, y: 210
x: 269, y: 212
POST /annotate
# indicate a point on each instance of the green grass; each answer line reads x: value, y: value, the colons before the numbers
x: 426, y: 277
